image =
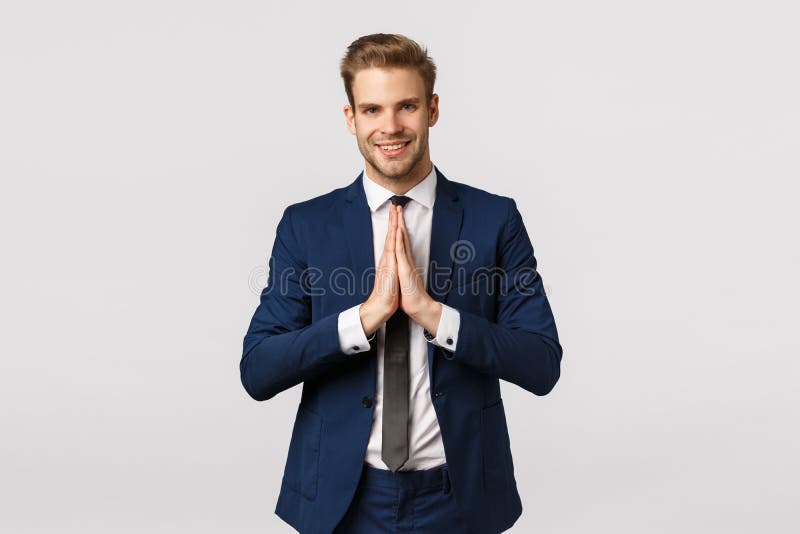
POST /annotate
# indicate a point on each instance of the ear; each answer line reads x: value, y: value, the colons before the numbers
x: 433, y: 110
x: 350, y: 118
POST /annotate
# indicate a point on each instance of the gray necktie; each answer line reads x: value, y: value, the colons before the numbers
x: 394, y: 448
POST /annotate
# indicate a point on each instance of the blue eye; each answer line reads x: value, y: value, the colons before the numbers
x: 368, y: 110
x: 409, y: 105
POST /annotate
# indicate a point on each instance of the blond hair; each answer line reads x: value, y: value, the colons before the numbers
x: 386, y: 50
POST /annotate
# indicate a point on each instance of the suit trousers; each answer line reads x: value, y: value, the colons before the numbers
x: 412, y: 502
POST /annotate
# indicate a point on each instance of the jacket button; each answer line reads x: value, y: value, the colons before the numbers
x: 366, y: 401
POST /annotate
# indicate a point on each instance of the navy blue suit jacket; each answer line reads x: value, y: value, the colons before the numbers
x: 482, y: 264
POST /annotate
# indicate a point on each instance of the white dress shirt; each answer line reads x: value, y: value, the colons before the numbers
x: 425, y: 448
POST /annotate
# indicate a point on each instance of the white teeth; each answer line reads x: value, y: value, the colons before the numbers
x: 393, y: 147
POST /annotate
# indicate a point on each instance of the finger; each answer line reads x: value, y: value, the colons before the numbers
x: 390, y: 232
x: 386, y: 242
x: 394, y: 231
x: 399, y: 243
x: 406, y: 239
x: 402, y: 220
x: 393, y: 255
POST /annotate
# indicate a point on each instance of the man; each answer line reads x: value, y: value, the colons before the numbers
x: 399, y: 301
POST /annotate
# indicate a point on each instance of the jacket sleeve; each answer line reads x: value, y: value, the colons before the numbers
x: 282, y: 346
x: 522, y: 345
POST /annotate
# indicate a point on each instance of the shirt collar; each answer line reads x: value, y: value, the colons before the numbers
x: 424, y: 192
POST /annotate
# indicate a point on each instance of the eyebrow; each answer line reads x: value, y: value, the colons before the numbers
x: 367, y: 105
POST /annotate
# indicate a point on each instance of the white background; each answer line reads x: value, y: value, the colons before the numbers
x: 147, y: 150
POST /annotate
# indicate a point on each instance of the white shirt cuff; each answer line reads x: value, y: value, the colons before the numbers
x: 447, y: 331
x: 352, y: 338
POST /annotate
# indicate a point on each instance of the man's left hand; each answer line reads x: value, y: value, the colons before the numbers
x: 414, y: 299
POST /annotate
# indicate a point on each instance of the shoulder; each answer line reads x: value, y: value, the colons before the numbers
x: 316, y: 205
x: 491, y: 205
x: 314, y: 210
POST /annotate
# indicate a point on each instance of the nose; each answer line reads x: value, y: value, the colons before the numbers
x: 392, y: 125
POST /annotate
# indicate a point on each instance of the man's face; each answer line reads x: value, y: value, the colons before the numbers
x: 390, y: 110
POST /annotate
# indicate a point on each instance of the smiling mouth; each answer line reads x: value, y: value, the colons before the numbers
x: 394, y: 149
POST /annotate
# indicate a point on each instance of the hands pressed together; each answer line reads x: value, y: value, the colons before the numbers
x: 398, y: 283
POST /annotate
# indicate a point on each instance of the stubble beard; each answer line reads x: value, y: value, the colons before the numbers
x: 392, y: 171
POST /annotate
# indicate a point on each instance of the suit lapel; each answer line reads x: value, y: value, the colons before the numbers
x: 445, y: 230
x: 357, y: 222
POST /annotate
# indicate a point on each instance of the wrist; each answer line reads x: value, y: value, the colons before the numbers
x: 372, y: 316
x: 429, y: 315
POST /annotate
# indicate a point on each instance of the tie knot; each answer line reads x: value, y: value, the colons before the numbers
x: 400, y: 199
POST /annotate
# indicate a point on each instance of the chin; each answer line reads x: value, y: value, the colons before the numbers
x: 396, y: 175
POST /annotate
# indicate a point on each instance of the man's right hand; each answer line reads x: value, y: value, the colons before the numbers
x: 385, y: 297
